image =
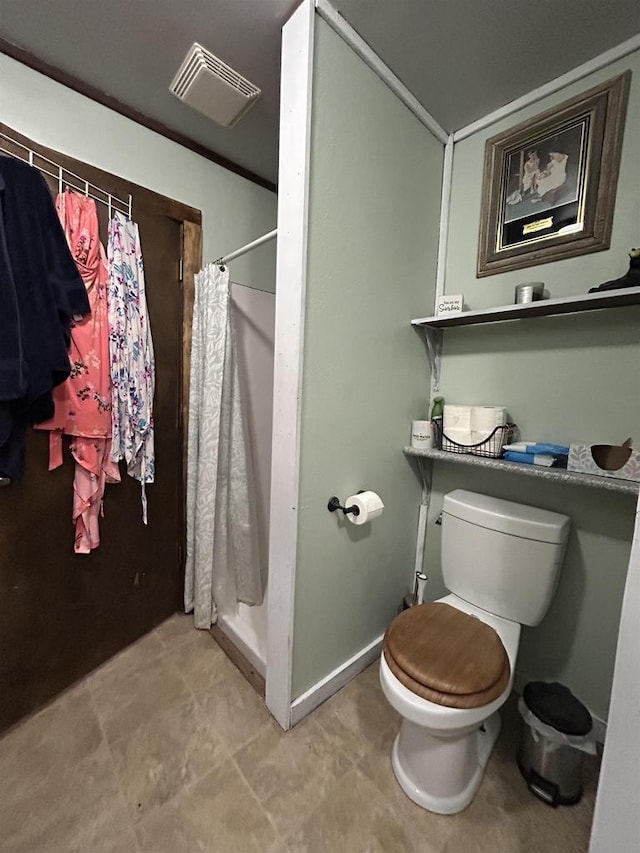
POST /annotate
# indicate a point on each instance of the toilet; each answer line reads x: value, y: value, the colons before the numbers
x: 448, y: 666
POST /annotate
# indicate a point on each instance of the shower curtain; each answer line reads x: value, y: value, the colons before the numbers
x: 222, y: 541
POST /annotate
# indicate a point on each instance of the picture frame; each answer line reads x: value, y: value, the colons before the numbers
x: 550, y: 183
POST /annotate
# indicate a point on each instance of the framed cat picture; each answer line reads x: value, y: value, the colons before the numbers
x: 550, y: 182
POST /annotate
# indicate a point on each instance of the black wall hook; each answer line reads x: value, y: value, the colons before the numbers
x: 334, y: 504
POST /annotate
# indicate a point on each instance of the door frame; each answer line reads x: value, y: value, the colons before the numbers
x: 191, y: 255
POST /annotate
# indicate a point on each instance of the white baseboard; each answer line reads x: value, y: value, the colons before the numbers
x: 330, y: 684
x: 599, y: 729
x: 599, y: 725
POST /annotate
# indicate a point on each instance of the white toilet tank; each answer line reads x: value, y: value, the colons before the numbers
x: 502, y: 556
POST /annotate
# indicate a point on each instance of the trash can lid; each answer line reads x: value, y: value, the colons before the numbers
x: 556, y: 706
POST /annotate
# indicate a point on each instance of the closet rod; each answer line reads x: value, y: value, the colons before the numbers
x: 111, y: 201
x: 244, y: 249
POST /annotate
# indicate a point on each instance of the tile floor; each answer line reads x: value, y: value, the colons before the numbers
x: 167, y: 749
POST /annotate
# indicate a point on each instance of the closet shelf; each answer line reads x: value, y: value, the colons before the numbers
x: 542, y: 308
x: 558, y: 475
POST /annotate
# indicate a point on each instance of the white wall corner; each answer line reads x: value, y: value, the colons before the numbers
x: 443, y: 247
x: 616, y: 821
x: 443, y: 237
x: 291, y: 277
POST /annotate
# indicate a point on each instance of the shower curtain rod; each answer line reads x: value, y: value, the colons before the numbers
x: 252, y: 287
x: 28, y: 155
x: 244, y: 249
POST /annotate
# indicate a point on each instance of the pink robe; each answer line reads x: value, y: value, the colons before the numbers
x: 83, y: 402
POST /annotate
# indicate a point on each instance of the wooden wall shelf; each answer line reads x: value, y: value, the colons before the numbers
x: 542, y: 308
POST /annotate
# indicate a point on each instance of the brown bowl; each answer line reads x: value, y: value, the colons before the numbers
x: 610, y: 457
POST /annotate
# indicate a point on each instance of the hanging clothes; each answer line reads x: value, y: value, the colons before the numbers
x: 131, y: 355
x: 222, y: 539
x: 40, y: 290
x: 83, y: 402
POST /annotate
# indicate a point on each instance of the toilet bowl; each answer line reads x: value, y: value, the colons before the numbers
x: 440, y: 753
x: 501, y: 562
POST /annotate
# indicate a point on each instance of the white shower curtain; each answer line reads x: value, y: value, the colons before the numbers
x: 222, y: 541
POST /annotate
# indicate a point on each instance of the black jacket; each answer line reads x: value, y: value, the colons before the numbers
x: 40, y: 290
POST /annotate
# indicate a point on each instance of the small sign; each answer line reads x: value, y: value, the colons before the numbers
x: 449, y: 305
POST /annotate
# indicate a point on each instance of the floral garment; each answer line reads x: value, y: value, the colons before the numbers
x: 83, y: 402
x: 131, y: 355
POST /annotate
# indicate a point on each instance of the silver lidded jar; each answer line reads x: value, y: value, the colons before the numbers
x: 529, y: 291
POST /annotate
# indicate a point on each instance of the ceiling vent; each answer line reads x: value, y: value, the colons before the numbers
x: 210, y: 86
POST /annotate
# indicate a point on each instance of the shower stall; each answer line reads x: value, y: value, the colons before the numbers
x: 231, y: 413
x: 254, y: 320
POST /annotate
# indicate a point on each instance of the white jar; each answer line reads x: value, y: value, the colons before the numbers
x: 421, y: 437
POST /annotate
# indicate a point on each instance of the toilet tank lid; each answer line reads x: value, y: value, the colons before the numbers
x: 528, y: 522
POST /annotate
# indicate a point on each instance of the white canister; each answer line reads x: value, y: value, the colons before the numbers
x: 421, y: 436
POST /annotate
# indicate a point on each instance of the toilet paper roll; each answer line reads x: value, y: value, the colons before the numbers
x: 456, y: 417
x: 370, y: 506
x: 487, y: 418
x: 460, y: 436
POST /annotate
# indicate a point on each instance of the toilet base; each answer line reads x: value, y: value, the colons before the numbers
x: 442, y: 774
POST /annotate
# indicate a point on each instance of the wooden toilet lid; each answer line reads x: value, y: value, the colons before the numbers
x: 446, y: 656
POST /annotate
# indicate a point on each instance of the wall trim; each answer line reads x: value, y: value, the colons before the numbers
x: 330, y: 684
x: 445, y: 204
x: 95, y: 94
x: 291, y: 282
x: 599, y: 725
x: 589, y: 67
x: 366, y: 53
x: 238, y: 632
x: 615, y: 817
x: 227, y: 642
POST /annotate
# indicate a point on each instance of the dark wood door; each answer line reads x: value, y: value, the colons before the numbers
x: 63, y: 614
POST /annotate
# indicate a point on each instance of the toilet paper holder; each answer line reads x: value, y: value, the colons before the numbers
x: 334, y: 504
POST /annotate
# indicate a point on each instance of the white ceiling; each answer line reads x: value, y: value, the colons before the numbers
x: 460, y: 59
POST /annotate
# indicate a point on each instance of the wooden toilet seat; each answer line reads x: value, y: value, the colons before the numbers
x: 446, y: 656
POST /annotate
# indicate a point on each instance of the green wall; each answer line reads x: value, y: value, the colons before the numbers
x: 373, y: 229
x: 563, y: 379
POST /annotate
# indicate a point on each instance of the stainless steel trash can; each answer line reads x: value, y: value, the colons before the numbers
x: 556, y: 727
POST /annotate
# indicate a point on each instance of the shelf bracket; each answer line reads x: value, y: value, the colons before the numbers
x: 433, y: 337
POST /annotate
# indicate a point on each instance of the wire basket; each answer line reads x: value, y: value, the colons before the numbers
x: 490, y: 447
